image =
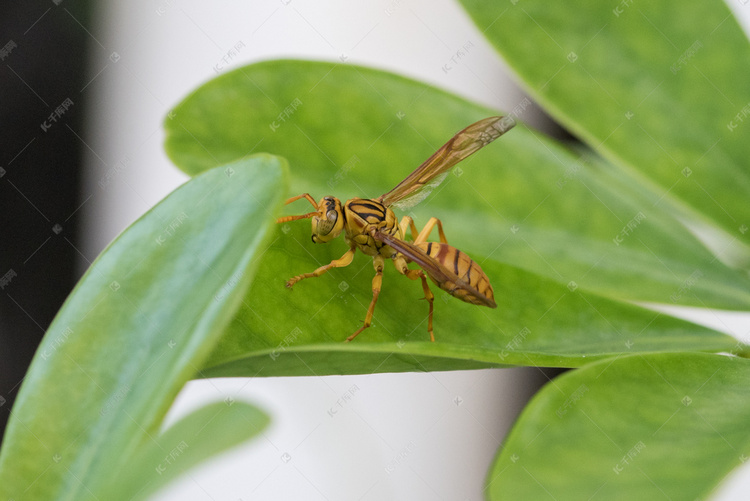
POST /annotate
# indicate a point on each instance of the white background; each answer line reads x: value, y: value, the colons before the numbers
x: 402, y: 436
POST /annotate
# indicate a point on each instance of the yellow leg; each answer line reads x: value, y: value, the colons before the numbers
x: 306, y: 196
x: 422, y: 237
x: 344, y: 260
x: 377, y: 281
x: 406, y: 223
x: 428, y: 295
x: 400, y: 264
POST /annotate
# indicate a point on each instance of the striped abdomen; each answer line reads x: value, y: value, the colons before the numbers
x: 466, y: 269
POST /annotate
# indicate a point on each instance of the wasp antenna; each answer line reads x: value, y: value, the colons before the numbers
x: 306, y: 196
x: 286, y: 219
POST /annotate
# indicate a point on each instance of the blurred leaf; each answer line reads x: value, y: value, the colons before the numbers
x: 665, y: 96
x: 666, y: 426
x: 137, y: 326
x: 524, y: 200
x: 199, y: 435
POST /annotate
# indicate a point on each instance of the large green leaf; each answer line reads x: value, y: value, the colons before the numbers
x: 354, y: 131
x: 667, y: 426
x: 538, y: 322
x: 525, y: 200
x: 665, y: 95
x: 138, y: 325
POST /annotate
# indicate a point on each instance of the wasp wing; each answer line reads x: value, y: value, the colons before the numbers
x: 432, y: 172
x: 431, y: 266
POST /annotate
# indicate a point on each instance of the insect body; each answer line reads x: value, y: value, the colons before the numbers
x: 376, y: 216
x: 372, y: 227
x: 465, y: 269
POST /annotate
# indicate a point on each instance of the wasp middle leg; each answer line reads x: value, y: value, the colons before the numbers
x: 422, y: 237
x: 377, y: 282
x: 341, y: 262
x: 406, y: 223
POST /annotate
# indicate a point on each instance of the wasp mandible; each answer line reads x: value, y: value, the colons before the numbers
x: 370, y: 225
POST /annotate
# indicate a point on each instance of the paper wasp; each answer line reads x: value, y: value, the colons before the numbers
x: 371, y: 226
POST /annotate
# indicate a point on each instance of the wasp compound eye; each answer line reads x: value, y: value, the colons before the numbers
x: 326, y: 225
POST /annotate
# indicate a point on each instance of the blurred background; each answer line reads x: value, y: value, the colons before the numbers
x: 44, y: 64
x: 84, y: 91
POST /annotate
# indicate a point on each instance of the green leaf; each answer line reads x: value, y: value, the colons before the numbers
x: 525, y: 200
x: 137, y: 326
x: 354, y: 131
x: 667, y: 426
x: 663, y: 96
x: 538, y: 322
x: 196, y: 437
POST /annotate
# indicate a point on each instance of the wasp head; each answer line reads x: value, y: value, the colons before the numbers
x: 330, y: 222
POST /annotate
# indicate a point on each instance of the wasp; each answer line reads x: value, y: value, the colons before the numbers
x: 370, y: 225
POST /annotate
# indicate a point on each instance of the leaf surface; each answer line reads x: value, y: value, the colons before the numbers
x: 639, y: 427
x: 138, y: 325
x: 524, y: 200
x: 663, y: 96
x: 517, y: 207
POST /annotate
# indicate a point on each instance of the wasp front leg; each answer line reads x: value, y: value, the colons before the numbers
x: 377, y: 281
x: 341, y: 262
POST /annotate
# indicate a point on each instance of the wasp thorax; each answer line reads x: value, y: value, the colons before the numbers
x: 330, y: 222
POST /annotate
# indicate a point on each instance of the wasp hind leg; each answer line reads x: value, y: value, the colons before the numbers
x: 341, y: 262
x: 428, y: 295
x: 377, y: 282
x: 400, y: 264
